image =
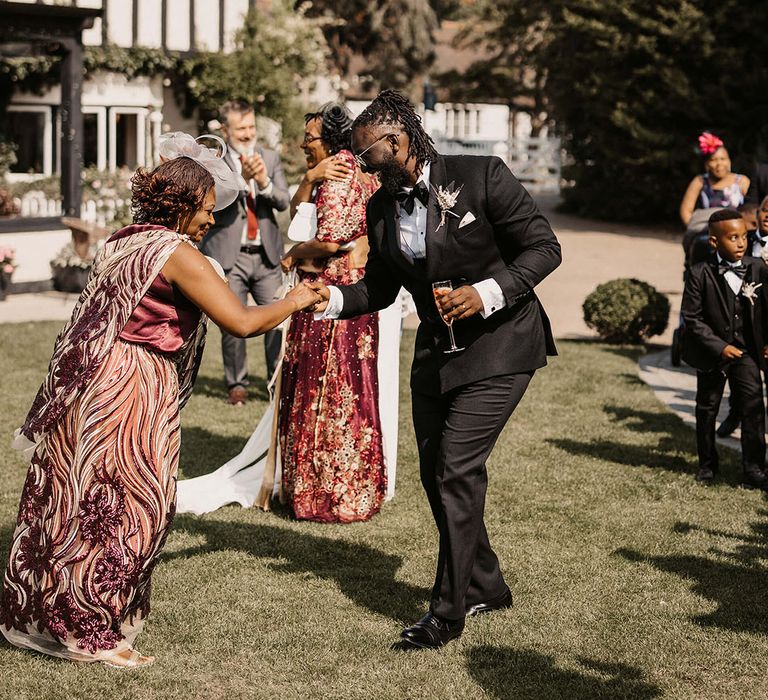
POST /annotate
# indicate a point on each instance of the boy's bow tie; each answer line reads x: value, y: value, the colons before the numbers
x: 739, y: 269
x: 408, y: 199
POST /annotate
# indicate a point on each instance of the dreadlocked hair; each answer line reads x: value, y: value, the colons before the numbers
x: 392, y: 107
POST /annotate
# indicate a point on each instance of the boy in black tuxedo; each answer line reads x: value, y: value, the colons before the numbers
x: 725, y: 327
x: 755, y: 245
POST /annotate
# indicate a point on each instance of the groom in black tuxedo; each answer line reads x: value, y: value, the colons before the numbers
x: 494, y: 246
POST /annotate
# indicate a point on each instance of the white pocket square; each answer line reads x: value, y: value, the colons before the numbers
x: 468, y: 218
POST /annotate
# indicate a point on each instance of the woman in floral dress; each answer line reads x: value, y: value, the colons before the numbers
x: 102, y: 436
x: 329, y: 427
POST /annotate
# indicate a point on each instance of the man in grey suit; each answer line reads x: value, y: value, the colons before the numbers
x: 245, y: 238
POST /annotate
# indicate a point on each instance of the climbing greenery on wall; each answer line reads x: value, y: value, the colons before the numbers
x: 278, y: 54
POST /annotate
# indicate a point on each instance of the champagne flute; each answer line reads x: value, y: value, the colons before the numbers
x: 440, y: 289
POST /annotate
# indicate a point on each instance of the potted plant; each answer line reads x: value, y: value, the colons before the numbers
x: 70, y: 269
x: 7, y: 266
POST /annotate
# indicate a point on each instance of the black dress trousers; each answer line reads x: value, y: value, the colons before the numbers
x: 455, y: 433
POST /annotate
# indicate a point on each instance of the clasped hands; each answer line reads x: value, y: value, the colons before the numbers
x: 304, y: 296
x: 255, y: 169
x: 459, y: 304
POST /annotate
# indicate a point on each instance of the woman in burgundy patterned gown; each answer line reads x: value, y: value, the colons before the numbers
x: 103, y: 433
x: 329, y: 427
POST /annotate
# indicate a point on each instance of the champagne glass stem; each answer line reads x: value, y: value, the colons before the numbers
x: 453, y: 340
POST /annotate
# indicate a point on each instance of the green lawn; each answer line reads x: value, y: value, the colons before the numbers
x: 629, y: 580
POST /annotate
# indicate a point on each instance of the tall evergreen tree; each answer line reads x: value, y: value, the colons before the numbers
x: 631, y: 83
x: 395, y: 36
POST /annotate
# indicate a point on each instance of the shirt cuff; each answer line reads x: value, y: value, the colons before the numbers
x: 334, y: 308
x: 267, y: 190
x: 491, y: 296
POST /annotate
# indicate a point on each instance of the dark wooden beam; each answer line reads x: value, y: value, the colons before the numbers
x: 71, y: 127
x: 135, y: 23
x: 105, y: 23
x: 192, y: 33
x: 221, y: 24
x: 164, y: 25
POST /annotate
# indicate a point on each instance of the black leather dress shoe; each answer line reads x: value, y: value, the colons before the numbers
x: 705, y: 476
x: 500, y: 602
x: 755, y: 479
x: 729, y: 425
x: 431, y: 632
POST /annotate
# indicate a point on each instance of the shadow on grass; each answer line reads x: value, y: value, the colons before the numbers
x: 364, y: 574
x: 644, y: 421
x: 655, y: 457
x: 733, y: 580
x: 203, y: 451
x: 665, y: 429
x: 506, y: 673
x: 6, y: 532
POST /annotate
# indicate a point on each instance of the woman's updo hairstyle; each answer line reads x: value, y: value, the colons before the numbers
x: 170, y: 194
x: 336, y: 125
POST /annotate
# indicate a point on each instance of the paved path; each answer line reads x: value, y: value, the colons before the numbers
x: 676, y: 387
x: 596, y: 252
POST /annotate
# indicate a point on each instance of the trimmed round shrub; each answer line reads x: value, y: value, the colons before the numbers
x: 626, y: 311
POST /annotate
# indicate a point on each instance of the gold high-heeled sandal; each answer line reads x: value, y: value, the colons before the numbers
x: 127, y: 659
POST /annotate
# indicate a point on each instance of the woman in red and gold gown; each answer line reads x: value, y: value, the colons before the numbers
x: 329, y: 427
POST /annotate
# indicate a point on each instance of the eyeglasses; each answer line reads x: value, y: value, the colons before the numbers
x: 307, y: 141
x: 359, y: 156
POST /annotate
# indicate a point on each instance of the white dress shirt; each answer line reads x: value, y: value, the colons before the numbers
x: 733, y: 280
x: 244, y: 240
x: 413, y: 244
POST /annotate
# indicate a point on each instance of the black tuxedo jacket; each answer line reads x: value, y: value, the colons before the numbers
x: 758, y: 185
x: 708, y: 314
x: 509, y: 240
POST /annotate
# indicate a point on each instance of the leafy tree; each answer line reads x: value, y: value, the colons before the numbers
x: 511, y: 36
x: 631, y: 83
x: 394, y: 36
x: 277, y: 53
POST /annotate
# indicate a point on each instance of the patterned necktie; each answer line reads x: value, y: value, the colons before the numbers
x: 250, y: 208
x: 408, y: 199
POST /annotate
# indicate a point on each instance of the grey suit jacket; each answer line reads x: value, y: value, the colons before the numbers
x: 222, y: 242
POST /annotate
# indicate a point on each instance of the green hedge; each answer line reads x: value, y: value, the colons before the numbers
x: 626, y: 311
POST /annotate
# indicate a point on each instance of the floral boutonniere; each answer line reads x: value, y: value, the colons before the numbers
x: 446, y: 200
x: 749, y: 291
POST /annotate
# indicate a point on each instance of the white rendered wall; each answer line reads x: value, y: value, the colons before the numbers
x: 150, y: 23
x: 207, y: 25
x: 120, y: 23
x: 177, y: 18
x: 34, y: 252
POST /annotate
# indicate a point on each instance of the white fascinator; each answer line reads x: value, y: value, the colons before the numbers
x: 228, y: 183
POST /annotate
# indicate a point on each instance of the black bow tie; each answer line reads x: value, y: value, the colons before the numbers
x: 408, y: 199
x: 739, y: 269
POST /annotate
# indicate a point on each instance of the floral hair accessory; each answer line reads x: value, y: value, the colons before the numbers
x: 228, y: 183
x: 709, y: 143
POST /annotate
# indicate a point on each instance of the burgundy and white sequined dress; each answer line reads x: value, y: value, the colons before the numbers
x: 100, y: 493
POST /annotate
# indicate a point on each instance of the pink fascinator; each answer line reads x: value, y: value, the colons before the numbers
x: 709, y: 143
